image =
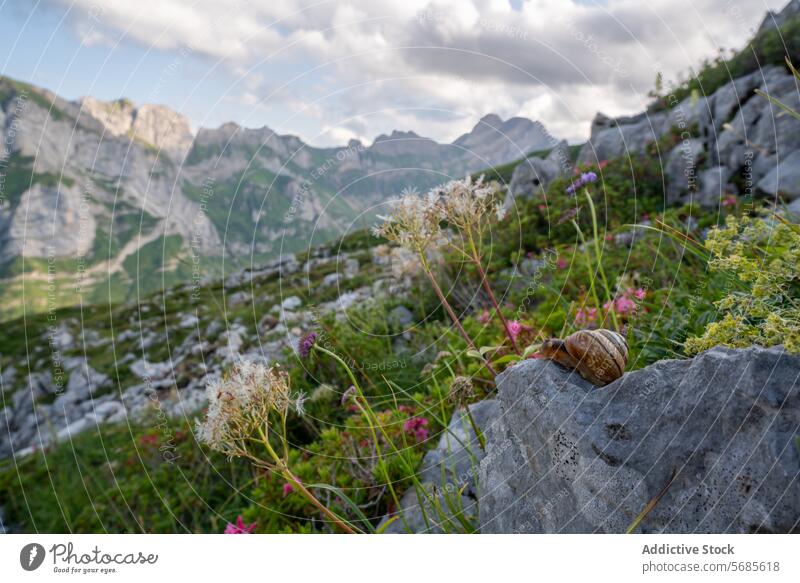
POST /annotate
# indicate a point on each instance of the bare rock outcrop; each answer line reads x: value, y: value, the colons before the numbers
x: 566, y: 456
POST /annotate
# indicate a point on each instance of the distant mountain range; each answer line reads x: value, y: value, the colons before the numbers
x: 119, y: 200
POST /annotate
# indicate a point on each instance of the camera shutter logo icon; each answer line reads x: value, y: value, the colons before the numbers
x: 31, y: 556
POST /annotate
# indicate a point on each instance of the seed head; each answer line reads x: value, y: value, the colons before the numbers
x: 240, y: 404
x: 462, y: 389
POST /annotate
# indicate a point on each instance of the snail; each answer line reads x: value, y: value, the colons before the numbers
x: 599, y: 356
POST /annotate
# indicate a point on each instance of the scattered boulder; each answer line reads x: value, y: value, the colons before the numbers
x: 615, y: 137
x: 530, y: 177
x: 566, y: 456
x: 682, y: 168
x: 331, y: 279
x: 351, y: 267
x: 784, y: 178
x: 713, y: 186
x: 238, y: 298
x: 291, y: 303
x: 400, y: 318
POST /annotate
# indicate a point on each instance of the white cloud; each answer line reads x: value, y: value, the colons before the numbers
x: 451, y: 60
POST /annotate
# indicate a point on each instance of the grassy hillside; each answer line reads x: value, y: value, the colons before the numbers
x: 545, y: 262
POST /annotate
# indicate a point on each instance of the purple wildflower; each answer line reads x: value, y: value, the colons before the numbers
x: 348, y: 394
x: 306, y: 344
x: 583, y: 180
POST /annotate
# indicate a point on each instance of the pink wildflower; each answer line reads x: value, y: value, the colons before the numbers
x: 586, y: 316
x: 514, y: 328
x: 240, y: 527
x: 150, y: 439
x: 484, y: 317
x: 287, y: 489
x: 625, y: 305
x: 640, y: 293
x: 729, y: 201
x: 561, y: 263
x: 418, y: 427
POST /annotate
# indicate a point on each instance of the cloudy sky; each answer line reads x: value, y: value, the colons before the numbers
x: 329, y: 71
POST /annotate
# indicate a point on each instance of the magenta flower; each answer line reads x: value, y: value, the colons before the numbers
x: 287, y: 489
x: 640, y: 293
x: 729, y: 201
x: 306, y: 344
x: 418, y: 427
x: 514, y: 328
x: 625, y: 305
x: 561, y: 263
x: 586, y: 316
x: 622, y: 306
x: 484, y: 317
x: 240, y: 527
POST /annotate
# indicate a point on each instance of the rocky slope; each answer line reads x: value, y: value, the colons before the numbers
x: 87, y: 185
x: 84, y: 369
x: 728, y: 141
x: 731, y: 143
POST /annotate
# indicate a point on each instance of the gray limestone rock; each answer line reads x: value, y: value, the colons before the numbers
x: 571, y: 457
x: 784, y: 178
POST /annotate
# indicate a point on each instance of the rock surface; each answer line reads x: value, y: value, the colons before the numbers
x: 568, y: 457
x: 731, y: 133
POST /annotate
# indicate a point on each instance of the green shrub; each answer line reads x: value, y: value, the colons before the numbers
x: 762, y: 258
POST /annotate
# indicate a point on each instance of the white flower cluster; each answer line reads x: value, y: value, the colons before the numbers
x: 415, y: 221
x: 240, y: 405
x: 461, y: 200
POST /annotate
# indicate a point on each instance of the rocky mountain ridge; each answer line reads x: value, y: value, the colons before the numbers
x: 92, y: 186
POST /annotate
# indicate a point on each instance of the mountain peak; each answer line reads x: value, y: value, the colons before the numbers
x: 495, y: 141
x: 158, y: 125
x: 490, y: 119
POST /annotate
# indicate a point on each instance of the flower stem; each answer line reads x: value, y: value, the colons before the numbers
x: 372, y: 422
x: 281, y: 466
x: 476, y: 429
x: 485, y: 283
x: 598, y: 254
x: 451, y: 313
x: 295, y: 481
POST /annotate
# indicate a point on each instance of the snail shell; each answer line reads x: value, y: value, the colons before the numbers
x: 599, y: 356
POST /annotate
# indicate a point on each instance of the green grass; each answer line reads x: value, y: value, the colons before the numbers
x: 121, y: 483
x: 10, y: 88
x: 17, y: 176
